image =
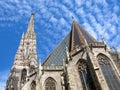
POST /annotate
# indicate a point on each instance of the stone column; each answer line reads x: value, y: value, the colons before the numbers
x: 101, y: 82
x: 73, y: 78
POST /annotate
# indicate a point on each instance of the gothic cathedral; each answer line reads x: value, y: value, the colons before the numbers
x: 79, y: 62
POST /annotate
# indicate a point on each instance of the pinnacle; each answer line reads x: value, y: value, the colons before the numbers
x: 31, y: 24
x: 32, y: 14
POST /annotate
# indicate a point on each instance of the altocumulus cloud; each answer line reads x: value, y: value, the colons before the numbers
x: 53, y: 19
x: 3, y: 78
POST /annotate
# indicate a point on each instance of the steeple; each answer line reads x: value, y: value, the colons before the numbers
x: 25, y: 58
x: 30, y: 28
x: 27, y: 47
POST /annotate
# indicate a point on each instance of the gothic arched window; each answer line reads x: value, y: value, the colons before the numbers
x: 23, y: 76
x: 33, y: 85
x: 108, y: 72
x: 85, y: 76
x: 50, y: 84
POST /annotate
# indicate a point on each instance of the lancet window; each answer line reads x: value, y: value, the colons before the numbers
x: 23, y: 76
x: 85, y: 76
x: 108, y: 72
x: 50, y: 84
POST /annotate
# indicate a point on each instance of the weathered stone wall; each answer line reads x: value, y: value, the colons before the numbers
x: 56, y: 75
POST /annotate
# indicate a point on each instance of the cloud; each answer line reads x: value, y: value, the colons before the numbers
x: 90, y: 29
x: 53, y: 19
x: 3, y: 79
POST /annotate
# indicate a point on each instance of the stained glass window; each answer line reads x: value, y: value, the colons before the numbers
x: 50, y: 84
x: 108, y: 72
x: 85, y: 76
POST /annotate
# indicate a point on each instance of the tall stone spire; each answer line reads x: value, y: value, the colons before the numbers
x: 27, y: 47
x: 25, y: 60
x: 31, y: 24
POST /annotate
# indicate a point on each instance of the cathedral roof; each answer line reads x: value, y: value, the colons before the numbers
x: 59, y: 53
x: 74, y: 38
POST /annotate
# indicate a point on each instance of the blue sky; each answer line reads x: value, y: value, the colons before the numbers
x: 53, y: 19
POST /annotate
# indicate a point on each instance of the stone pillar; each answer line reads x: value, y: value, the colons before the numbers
x: 100, y: 80
x: 73, y: 79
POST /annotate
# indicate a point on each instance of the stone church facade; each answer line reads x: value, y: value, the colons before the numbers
x: 79, y: 62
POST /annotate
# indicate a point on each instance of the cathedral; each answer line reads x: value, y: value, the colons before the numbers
x: 79, y: 62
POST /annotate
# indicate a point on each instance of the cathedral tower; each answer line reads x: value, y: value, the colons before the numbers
x: 25, y: 61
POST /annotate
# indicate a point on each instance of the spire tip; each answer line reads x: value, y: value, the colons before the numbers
x: 72, y: 18
x: 32, y: 14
